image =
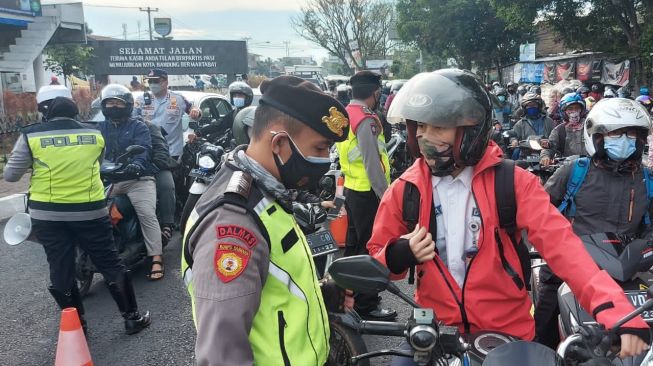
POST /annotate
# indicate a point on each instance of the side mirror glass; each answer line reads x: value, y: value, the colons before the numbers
x: 360, y: 273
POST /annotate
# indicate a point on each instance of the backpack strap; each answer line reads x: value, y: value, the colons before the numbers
x: 648, y: 180
x: 578, y: 173
x: 504, y: 187
x: 410, y: 215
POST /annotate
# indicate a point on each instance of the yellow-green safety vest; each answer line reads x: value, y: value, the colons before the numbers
x: 291, y: 326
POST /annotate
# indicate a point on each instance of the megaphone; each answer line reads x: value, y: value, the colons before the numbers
x: 18, y: 228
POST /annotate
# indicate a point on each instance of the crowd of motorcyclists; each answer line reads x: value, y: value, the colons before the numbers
x: 457, y: 130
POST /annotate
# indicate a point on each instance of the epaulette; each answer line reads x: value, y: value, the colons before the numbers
x: 367, y: 110
x: 239, y: 183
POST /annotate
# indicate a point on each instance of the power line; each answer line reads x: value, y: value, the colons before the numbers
x: 149, y: 16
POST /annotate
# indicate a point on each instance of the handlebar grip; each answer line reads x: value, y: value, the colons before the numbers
x: 382, y: 328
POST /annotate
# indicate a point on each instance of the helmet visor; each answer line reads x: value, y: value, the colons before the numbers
x: 441, y: 101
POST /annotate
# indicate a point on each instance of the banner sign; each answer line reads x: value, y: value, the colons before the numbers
x: 532, y: 73
x: 176, y: 57
x: 565, y: 70
x: 549, y: 73
x: 527, y: 52
x: 583, y: 70
x: 616, y: 74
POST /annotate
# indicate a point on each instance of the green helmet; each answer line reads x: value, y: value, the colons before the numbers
x: 243, y: 121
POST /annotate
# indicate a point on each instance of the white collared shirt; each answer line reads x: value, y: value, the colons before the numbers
x: 458, y: 220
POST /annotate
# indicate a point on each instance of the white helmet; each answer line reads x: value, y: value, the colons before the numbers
x: 50, y: 92
x: 612, y: 114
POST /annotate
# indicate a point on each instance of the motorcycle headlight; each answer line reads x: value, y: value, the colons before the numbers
x: 206, y: 162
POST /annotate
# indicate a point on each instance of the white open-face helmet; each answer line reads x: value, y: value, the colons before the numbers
x: 50, y: 92
x: 612, y: 114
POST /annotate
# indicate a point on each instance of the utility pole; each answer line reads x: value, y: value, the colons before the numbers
x: 138, y: 25
x: 124, y: 31
x: 287, y: 43
x: 149, y: 16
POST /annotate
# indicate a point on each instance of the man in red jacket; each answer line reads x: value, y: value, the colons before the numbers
x: 456, y: 243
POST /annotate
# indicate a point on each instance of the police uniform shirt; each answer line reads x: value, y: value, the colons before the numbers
x: 166, y: 112
x: 458, y: 220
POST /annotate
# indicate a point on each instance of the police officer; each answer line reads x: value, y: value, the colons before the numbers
x: 165, y: 109
x: 246, y: 263
x: 366, y: 168
x: 67, y: 202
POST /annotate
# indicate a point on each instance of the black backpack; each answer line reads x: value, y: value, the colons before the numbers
x: 504, y: 184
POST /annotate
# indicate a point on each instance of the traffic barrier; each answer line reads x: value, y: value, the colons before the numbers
x: 72, y: 349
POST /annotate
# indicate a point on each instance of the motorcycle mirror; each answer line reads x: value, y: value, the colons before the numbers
x: 18, y: 228
x: 360, y: 273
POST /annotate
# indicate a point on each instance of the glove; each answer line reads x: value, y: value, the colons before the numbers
x: 333, y: 295
x: 133, y: 169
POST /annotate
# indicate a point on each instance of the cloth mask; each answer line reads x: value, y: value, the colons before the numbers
x: 440, y: 163
x: 533, y: 112
x: 619, y: 148
x: 574, y: 121
x: 115, y: 113
x: 301, y: 172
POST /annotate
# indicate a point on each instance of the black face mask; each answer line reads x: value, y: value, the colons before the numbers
x: 115, y: 113
x: 300, y: 172
x: 443, y: 164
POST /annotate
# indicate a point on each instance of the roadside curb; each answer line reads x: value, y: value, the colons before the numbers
x: 11, y: 205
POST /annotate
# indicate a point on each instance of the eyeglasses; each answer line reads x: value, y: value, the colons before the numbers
x: 619, y: 133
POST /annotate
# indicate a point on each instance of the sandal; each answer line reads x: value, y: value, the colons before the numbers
x: 166, y: 234
x: 152, y: 272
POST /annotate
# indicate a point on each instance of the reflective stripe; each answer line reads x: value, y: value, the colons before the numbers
x: 284, y: 277
x: 188, y: 276
x: 261, y: 205
x: 71, y: 131
x: 193, y: 215
x: 354, y: 154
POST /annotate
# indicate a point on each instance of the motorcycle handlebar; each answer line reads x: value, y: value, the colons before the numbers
x: 382, y: 328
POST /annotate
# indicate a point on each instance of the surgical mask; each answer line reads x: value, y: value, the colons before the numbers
x: 619, y: 148
x: 574, y: 117
x: 156, y: 88
x: 301, y: 172
x: 441, y: 163
x: 239, y: 102
x: 533, y: 112
x: 501, y: 98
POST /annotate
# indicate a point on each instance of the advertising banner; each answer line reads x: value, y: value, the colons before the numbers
x: 616, y: 73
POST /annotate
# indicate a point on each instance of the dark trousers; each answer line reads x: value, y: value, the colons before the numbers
x: 547, y: 309
x: 95, y: 237
x: 361, y: 209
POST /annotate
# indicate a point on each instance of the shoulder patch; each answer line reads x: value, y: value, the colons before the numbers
x: 375, y: 130
x: 230, y: 261
x: 236, y: 232
x: 240, y: 183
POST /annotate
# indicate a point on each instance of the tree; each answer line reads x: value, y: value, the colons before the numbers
x: 66, y: 59
x: 618, y: 27
x: 466, y: 30
x: 344, y: 27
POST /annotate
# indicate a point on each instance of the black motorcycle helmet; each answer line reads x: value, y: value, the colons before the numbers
x: 243, y: 121
x: 119, y: 92
x: 596, y: 88
x: 242, y: 88
x: 449, y: 98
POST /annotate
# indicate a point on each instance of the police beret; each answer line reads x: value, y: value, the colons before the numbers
x: 365, y: 77
x: 157, y: 74
x: 305, y: 102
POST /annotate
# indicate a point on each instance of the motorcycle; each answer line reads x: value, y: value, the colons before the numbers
x: 629, y: 262
x: 398, y: 154
x: 433, y: 343
x: 127, y: 233
x: 206, y: 163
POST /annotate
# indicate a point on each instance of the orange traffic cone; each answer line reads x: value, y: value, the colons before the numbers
x: 339, y: 224
x: 72, y: 349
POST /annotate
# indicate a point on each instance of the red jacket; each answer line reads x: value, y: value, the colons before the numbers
x: 489, y: 297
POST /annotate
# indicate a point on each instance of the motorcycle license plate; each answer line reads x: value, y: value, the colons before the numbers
x: 638, y: 298
x: 321, y: 243
x: 198, y: 173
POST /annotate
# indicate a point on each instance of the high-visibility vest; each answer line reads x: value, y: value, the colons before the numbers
x: 351, y: 159
x: 66, y: 166
x: 291, y: 326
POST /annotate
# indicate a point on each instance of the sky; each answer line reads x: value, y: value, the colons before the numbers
x: 266, y: 22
